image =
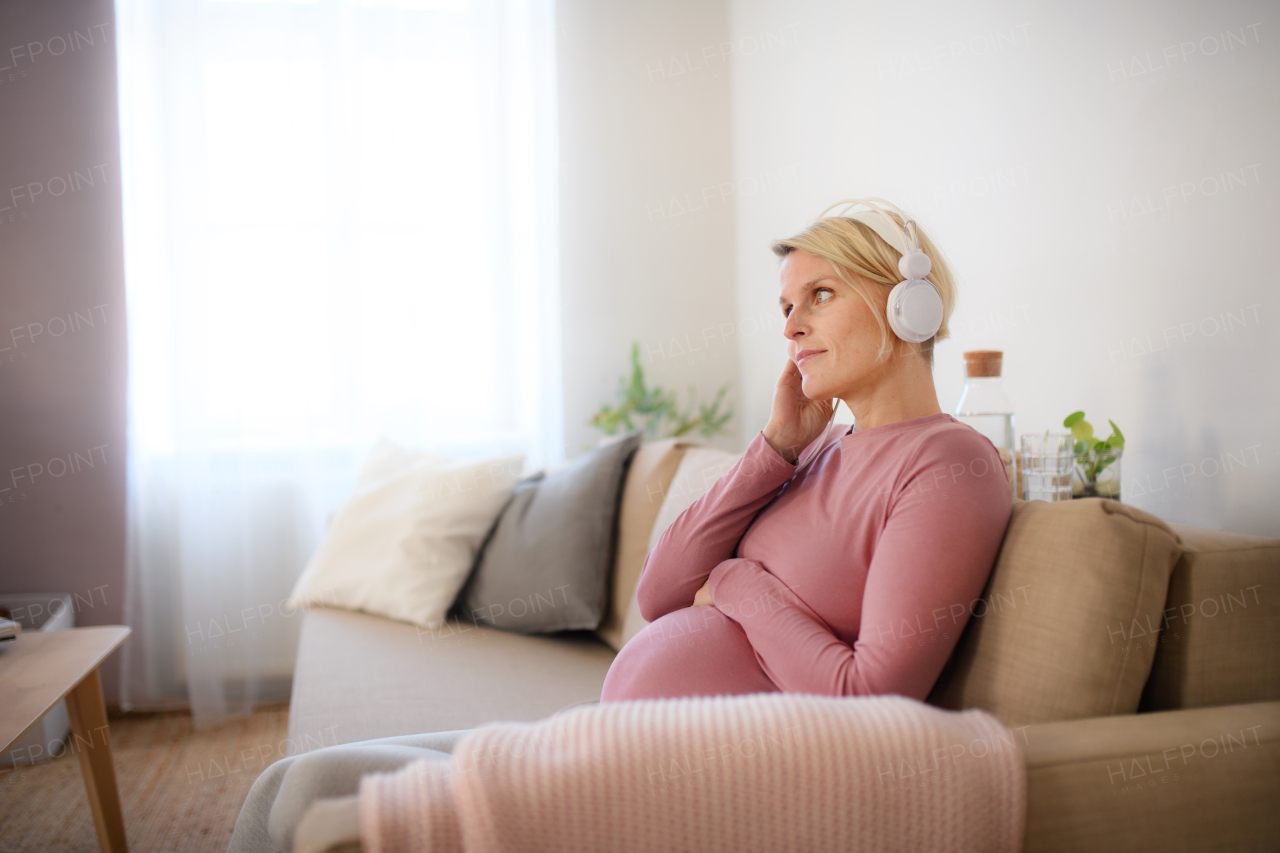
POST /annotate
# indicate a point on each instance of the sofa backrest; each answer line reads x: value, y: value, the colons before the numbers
x: 1060, y: 630
x: 1219, y: 642
x: 648, y: 481
x: 699, y: 468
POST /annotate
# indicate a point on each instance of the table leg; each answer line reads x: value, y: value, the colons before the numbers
x: 89, y: 739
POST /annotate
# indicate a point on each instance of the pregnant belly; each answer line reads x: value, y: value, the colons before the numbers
x: 697, y: 651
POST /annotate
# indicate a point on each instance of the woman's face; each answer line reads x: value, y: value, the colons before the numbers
x: 831, y: 333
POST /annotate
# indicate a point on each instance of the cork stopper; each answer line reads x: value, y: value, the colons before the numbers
x: 983, y: 362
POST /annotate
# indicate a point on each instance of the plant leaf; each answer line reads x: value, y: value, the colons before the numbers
x: 1071, y: 419
x: 1117, y: 437
x: 1082, y: 430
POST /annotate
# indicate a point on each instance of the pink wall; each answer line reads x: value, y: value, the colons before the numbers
x: 62, y: 311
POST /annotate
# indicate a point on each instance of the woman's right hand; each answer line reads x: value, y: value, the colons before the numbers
x: 795, y: 420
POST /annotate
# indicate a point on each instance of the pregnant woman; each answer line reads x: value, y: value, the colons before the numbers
x: 854, y: 573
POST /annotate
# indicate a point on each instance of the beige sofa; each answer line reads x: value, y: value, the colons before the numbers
x: 1137, y: 663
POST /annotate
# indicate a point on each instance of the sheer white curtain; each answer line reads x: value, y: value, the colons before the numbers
x: 339, y: 224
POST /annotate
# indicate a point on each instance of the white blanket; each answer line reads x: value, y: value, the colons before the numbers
x: 768, y: 772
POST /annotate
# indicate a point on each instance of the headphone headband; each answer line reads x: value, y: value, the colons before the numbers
x: 876, y: 218
x: 876, y: 222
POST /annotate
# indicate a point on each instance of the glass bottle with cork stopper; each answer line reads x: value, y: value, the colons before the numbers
x: 985, y: 407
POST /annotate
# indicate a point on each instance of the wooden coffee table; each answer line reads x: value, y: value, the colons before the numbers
x: 40, y: 668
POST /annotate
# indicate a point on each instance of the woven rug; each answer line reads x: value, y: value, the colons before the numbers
x: 180, y: 790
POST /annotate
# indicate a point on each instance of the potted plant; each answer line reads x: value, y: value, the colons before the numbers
x: 639, y: 406
x: 1096, y: 473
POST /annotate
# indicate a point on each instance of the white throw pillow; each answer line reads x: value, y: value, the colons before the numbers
x: 403, y: 543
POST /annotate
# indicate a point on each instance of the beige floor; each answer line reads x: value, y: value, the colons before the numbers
x: 180, y: 790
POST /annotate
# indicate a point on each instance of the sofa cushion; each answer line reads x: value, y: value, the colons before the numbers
x: 648, y: 478
x: 1055, y: 635
x: 1221, y: 601
x: 546, y: 563
x: 405, y: 539
x: 699, y: 468
x: 359, y: 677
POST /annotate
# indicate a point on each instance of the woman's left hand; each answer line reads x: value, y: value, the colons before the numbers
x: 703, y: 596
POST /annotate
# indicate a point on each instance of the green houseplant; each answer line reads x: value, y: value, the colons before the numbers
x: 657, y: 411
x: 1097, y: 464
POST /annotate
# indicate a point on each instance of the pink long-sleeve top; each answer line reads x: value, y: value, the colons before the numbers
x: 854, y: 576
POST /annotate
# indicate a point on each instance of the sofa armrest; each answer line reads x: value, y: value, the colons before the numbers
x: 1200, y: 779
x: 1218, y: 642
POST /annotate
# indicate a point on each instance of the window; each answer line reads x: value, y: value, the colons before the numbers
x: 340, y: 224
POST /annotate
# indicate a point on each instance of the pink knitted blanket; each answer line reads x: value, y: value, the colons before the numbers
x: 767, y: 772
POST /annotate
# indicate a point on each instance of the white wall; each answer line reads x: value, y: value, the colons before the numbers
x: 1100, y: 175
x: 646, y: 235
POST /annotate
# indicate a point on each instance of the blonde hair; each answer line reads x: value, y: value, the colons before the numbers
x: 867, y: 264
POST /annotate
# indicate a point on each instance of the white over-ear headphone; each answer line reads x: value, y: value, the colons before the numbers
x: 915, y: 304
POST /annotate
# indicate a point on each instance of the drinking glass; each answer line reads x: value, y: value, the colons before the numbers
x: 1047, y: 460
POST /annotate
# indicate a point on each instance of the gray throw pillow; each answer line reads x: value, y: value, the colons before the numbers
x: 545, y: 564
